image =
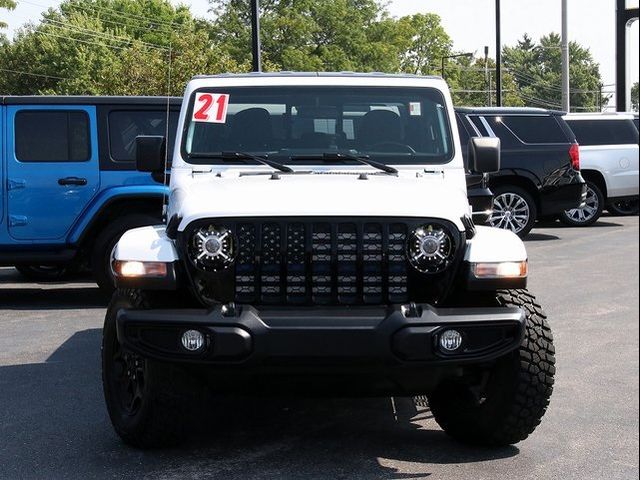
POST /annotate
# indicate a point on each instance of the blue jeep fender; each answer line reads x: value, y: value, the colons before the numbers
x: 107, y: 198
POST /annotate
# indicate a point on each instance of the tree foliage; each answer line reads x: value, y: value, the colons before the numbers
x: 109, y: 47
x: 634, y: 97
x: 150, y: 47
x: 9, y: 5
x: 320, y: 35
x: 537, y: 69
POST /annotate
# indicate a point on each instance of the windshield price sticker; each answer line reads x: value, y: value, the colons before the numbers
x: 210, y: 108
x: 415, y: 109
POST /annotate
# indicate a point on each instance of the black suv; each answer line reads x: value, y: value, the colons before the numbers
x: 540, y: 172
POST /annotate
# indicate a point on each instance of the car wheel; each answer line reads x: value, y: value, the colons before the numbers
x: 589, y: 213
x: 147, y: 401
x: 106, y: 242
x: 513, y: 209
x: 508, y: 401
x: 624, y: 208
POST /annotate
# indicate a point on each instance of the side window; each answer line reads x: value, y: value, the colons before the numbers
x: 535, y: 128
x: 126, y: 125
x: 475, y: 120
x: 52, y: 136
x: 462, y: 130
x: 507, y: 139
x: 604, y: 132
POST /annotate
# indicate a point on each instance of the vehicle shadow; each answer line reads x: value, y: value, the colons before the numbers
x: 540, y: 237
x: 53, y: 424
x: 17, y: 293
x: 64, y: 298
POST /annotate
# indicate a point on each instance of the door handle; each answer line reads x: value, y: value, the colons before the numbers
x: 72, y: 181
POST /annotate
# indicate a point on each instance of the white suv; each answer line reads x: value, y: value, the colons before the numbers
x: 319, y: 240
x: 609, y: 164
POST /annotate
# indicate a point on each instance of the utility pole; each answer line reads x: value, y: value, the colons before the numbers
x: 566, y: 103
x: 255, y: 36
x: 498, y: 58
x: 487, y: 80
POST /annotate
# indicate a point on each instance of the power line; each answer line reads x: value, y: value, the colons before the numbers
x: 33, y: 74
x: 102, y: 35
x: 92, y: 12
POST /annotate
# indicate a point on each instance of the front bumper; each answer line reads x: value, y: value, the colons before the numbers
x: 298, y: 339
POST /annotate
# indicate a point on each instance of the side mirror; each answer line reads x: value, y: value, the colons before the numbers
x: 150, y: 153
x: 484, y: 154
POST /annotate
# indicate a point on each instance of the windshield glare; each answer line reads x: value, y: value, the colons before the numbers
x: 392, y: 125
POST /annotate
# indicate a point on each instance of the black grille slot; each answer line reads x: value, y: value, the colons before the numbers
x: 321, y: 263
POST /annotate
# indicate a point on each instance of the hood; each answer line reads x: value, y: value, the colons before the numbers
x: 206, y: 195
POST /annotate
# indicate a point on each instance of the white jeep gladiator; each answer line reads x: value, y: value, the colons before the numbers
x: 319, y: 240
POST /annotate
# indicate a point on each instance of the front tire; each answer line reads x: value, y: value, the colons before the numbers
x: 590, y: 213
x: 147, y: 401
x: 105, y: 243
x: 625, y: 208
x: 513, y: 209
x: 510, y: 404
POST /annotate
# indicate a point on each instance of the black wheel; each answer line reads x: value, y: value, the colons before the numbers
x: 513, y: 209
x: 45, y: 273
x: 105, y: 243
x: 509, y: 404
x: 587, y: 214
x: 624, y: 208
x: 147, y: 401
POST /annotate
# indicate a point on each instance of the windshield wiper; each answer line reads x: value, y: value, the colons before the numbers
x: 364, y: 159
x: 228, y: 156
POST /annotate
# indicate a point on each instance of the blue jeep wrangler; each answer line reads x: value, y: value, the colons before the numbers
x: 70, y: 187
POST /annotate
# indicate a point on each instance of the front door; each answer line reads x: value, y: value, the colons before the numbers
x: 52, y: 169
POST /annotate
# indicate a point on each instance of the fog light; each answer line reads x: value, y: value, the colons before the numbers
x: 192, y: 340
x: 450, y: 340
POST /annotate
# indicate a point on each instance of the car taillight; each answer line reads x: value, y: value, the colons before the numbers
x: 574, y: 155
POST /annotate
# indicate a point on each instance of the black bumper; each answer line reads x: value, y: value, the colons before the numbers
x: 566, y: 195
x: 297, y: 339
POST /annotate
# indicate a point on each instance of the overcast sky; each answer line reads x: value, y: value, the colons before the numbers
x: 470, y: 23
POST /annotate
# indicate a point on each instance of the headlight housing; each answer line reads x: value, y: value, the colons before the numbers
x: 212, y: 248
x: 430, y: 248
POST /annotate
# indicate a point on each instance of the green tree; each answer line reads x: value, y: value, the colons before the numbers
x: 321, y: 35
x: 9, y: 5
x: 634, y: 97
x: 110, y: 47
x: 474, y: 85
x: 537, y: 69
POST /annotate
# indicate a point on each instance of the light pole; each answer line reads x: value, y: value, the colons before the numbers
x: 457, y: 55
x: 255, y: 36
x: 566, y: 105
x: 498, y: 58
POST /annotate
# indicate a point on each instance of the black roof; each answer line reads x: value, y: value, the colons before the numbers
x: 86, y: 100
x: 507, y: 111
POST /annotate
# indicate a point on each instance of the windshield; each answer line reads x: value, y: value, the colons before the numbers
x: 393, y: 125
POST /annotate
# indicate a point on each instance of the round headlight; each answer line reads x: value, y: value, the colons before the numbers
x: 430, y: 248
x: 212, y: 248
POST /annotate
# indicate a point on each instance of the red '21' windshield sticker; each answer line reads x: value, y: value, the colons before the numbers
x: 210, y: 107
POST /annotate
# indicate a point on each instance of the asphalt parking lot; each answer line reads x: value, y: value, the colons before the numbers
x: 53, y: 422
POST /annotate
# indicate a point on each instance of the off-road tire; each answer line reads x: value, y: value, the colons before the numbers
x: 517, y: 392
x: 106, y: 241
x: 162, y: 418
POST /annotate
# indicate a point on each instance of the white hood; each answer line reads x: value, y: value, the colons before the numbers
x: 207, y: 195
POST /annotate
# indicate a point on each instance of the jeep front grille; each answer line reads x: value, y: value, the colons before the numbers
x: 321, y: 262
